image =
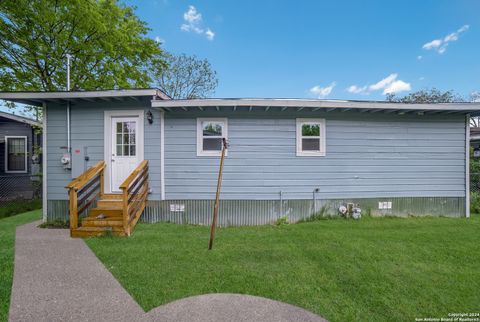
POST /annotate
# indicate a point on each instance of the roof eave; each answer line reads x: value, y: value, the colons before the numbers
x: 329, y: 105
x: 39, y: 98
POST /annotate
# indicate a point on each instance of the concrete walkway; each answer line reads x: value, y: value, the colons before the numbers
x: 58, y: 278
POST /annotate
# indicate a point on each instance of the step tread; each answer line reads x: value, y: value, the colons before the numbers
x: 112, y: 206
x: 95, y: 228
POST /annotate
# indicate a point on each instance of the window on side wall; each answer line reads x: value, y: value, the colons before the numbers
x: 310, y: 137
x: 15, y: 154
x: 210, y: 134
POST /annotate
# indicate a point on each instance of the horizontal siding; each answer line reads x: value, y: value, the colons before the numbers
x: 367, y: 156
x: 87, y: 126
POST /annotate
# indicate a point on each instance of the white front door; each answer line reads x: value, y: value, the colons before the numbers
x: 125, y: 149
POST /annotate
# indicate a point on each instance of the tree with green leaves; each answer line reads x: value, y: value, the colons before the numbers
x: 434, y: 95
x: 107, y: 41
x: 187, y: 77
x: 424, y: 96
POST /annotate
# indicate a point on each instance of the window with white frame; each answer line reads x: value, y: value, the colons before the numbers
x: 15, y: 154
x: 210, y: 135
x: 310, y: 137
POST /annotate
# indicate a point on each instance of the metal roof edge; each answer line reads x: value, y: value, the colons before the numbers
x: 316, y: 103
x: 20, y: 119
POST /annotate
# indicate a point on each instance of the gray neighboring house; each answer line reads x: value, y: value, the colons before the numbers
x: 292, y: 157
x: 19, y: 166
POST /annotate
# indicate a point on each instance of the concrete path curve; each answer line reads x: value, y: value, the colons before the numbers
x: 57, y: 278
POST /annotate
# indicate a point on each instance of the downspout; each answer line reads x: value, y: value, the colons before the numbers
x: 69, y: 139
x: 467, y: 166
x: 162, y: 154
x: 44, y: 164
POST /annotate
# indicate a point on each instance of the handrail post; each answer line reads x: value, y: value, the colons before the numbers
x: 73, y: 209
x: 126, y: 227
x: 102, y: 187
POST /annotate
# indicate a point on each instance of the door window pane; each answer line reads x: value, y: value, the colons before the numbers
x: 125, y: 136
x: 126, y: 150
x: 119, y: 150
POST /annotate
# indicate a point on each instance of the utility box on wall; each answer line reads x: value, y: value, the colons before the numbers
x: 79, y: 160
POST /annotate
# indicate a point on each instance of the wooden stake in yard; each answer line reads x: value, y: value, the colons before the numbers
x: 217, y: 196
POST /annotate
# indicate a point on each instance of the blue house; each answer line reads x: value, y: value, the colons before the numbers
x: 124, y: 153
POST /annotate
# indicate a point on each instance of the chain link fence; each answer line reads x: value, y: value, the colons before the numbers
x: 475, y: 192
x: 20, y: 187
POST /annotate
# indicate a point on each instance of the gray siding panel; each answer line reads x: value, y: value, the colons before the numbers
x: 87, y: 126
x: 367, y: 156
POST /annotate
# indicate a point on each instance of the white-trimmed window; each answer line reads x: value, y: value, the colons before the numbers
x: 15, y: 154
x: 210, y: 134
x: 310, y: 137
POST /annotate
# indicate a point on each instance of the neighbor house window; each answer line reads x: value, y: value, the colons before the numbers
x: 310, y: 137
x: 15, y: 154
x: 210, y: 133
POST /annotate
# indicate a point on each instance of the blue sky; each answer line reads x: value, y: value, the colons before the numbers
x: 321, y: 49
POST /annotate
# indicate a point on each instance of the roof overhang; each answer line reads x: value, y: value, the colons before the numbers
x: 20, y: 119
x: 318, y: 105
x: 39, y: 98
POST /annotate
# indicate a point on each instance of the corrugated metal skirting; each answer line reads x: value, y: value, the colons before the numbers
x: 261, y: 212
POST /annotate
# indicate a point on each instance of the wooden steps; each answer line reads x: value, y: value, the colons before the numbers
x: 105, y: 217
x: 115, y: 214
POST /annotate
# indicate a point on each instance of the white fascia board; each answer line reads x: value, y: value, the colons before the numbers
x: 460, y: 107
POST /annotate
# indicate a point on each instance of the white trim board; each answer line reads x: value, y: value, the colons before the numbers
x: 322, y: 138
x: 44, y: 165
x: 467, y: 166
x: 200, y: 151
x: 107, y: 138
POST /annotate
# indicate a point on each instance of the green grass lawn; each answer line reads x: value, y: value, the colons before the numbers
x: 7, y: 243
x: 375, y: 269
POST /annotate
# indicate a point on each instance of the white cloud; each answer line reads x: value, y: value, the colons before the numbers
x: 210, y: 34
x: 389, y: 85
x: 440, y: 45
x: 396, y: 87
x: 193, y: 22
x: 354, y: 89
x: 321, y: 92
x: 432, y: 44
x: 419, y: 57
x: 383, y: 83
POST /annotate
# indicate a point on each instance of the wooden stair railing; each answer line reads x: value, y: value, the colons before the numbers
x: 84, y: 191
x: 135, y: 193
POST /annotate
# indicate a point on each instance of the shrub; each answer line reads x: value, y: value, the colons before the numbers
x: 19, y: 206
x: 475, y: 202
x: 57, y: 223
x: 282, y: 221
